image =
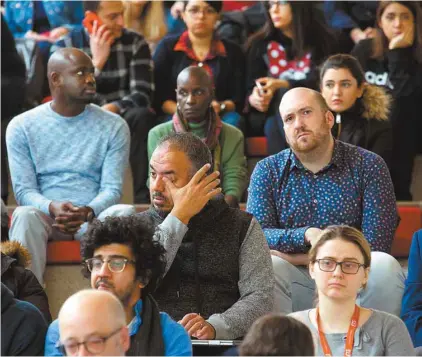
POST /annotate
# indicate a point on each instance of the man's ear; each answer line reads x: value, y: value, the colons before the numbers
x: 56, y: 79
x: 125, y: 338
x: 329, y: 117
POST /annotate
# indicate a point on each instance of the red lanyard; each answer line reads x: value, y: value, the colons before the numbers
x: 350, y: 334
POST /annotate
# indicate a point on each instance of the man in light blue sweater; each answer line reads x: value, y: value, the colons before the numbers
x: 67, y: 160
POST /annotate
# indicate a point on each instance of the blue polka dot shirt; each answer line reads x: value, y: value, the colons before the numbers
x: 355, y: 189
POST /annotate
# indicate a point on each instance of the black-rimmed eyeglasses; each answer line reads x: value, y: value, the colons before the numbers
x: 116, y: 265
x: 276, y: 3
x: 94, y: 345
x: 347, y: 267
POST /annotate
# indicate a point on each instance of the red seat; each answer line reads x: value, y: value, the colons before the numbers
x: 411, y: 221
x: 256, y: 146
x: 63, y: 252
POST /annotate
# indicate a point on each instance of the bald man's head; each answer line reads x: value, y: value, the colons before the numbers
x: 310, y: 94
x: 64, y: 57
x: 306, y: 119
x: 71, y: 76
x: 92, y: 314
x: 194, y: 94
x: 195, y: 73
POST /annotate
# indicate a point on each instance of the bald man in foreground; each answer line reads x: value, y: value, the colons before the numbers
x: 319, y: 182
x: 98, y: 328
x: 67, y: 160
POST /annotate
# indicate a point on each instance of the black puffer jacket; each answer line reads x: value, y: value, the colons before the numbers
x: 23, y: 327
x: 21, y: 281
x: 366, y: 124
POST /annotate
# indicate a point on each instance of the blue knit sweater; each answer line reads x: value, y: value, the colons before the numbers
x: 80, y: 159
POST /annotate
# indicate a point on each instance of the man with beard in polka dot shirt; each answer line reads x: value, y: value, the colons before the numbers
x: 319, y: 182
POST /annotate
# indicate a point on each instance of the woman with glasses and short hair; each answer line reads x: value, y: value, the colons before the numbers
x: 340, y: 266
x: 200, y: 46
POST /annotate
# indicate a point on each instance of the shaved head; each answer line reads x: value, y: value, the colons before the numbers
x: 63, y: 57
x: 199, y: 74
x: 71, y: 79
x: 301, y: 91
x: 94, y: 314
x: 94, y: 303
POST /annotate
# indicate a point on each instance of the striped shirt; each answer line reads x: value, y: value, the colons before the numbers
x: 126, y: 79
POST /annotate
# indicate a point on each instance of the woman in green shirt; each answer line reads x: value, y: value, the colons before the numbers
x: 195, y: 114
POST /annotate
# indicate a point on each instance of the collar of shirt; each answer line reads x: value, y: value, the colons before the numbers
x: 185, y: 45
x: 337, y: 159
x: 137, y: 319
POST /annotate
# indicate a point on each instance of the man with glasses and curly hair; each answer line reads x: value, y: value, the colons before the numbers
x: 122, y: 256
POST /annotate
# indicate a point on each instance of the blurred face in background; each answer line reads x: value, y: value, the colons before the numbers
x: 200, y: 18
x: 111, y: 14
x: 396, y: 20
x: 281, y: 14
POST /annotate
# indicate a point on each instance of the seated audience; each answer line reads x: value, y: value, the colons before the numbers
x: 220, y: 278
x: 22, y: 282
x: 13, y: 86
x: 43, y: 21
x: 23, y: 327
x: 151, y: 19
x: 393, y: 59
x: 277, y: 335
x: 123, y: 72
x: 411, y: 312
x: 121, y: 256
x: 318, y: 182
x: 97, y: 329
x: 339, y: 263
x: 355, y: 18
x: 195, y: 114
x: 199, y: 46
x: 285, y: 53
x: 67, y: 160
x: 361, y: 109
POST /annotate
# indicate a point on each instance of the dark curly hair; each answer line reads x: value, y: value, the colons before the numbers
x: 137, y: 233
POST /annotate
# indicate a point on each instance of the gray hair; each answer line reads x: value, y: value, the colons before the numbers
x: 194, y: 148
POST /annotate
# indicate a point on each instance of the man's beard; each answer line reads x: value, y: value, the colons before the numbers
x: 160, y: 212
x: 314, y: 141
x: 124, y: 296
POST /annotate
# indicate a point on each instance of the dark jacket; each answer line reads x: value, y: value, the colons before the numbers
x: 398, y: 72
x: 23, y: 327
x: 366, y: 124
x: 257, y: 63
x: 21, y: 281
x: 411, y: 312
x: 228, y: 72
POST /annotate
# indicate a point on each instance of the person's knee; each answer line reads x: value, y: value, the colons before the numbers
x: 121, y: 210
x: 281, y: 269
x: 28, y: 214
x: 140, y: 119
x: 385, y: 263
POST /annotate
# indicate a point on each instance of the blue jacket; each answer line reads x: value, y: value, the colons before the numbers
x: 19, y: 15
x: 411, y: 312
x: 176, y: 340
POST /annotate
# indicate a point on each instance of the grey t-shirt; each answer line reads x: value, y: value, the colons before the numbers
x: 382, y: 335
